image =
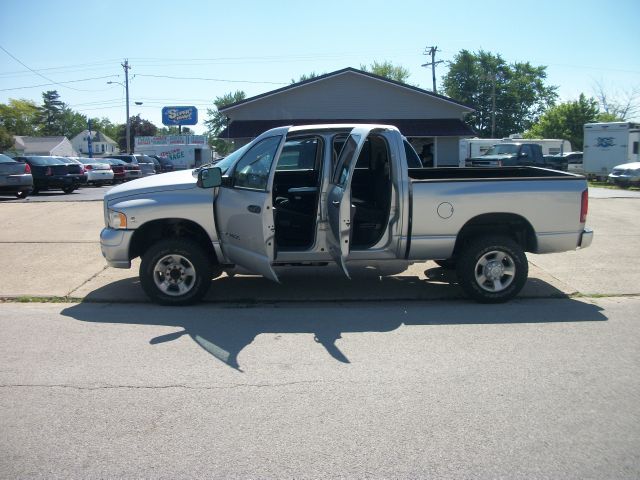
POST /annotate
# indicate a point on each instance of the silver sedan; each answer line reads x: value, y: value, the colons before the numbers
x: 15, y: 177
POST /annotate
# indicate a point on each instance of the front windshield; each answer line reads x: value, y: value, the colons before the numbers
x: 505, y: 149
x: 230, y: 159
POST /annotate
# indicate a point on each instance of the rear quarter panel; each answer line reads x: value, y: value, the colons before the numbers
x: 442, y: 208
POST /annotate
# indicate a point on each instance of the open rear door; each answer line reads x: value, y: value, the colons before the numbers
x: 244, y: 210
x: 339, y: 197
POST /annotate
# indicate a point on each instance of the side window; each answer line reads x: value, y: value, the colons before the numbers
x: 526, y: 149
x: 298, y: 155
x: 252, y: 171
x: 635, y: 148
x: 345, y: 160
x: 413, y: 161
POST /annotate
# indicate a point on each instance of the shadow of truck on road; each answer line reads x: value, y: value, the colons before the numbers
x: 224, y: 331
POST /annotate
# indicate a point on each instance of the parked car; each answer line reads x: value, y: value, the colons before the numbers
x: 147, y: 167
x: 98, y: 172
x: 574, y: 163
x: 626, y: 175
x: 123, y: 171
x: 15, y: 177
x: 54, y: 173
x: 77, y: 161
x: 165, y: 164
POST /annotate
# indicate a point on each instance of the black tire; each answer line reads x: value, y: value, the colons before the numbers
x: 68, y: 190
x: 23, y: 194
x: 181, y: 257
x: 35, y: 191
x: 500, y: 261
x: 448, y: 264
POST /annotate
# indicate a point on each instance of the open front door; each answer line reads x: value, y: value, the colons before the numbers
x: 244, y: 210
x: 339, y: 197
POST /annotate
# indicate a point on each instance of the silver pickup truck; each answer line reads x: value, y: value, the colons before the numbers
x: 314, y: 195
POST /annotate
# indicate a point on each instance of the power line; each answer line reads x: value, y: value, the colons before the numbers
x: 61, y: 83
x: 39, y: 74
x: 209, y: 79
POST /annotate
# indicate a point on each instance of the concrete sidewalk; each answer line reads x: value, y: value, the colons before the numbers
x: 52, y: 249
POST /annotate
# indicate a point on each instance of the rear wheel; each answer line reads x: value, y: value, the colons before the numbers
x: 176, y: 272
x: 68, y: 190
x: 492, y: 269
x: 23, y: 194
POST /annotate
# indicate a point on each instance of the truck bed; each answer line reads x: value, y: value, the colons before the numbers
x: 475, y: 174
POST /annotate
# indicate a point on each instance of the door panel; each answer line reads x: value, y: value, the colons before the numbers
x: 244, y: 210
x: 339, y: 197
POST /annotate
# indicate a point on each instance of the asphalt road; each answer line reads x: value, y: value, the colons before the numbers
x: 546, y: 388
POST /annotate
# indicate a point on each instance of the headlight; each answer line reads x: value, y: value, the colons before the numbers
x: 117, y: 220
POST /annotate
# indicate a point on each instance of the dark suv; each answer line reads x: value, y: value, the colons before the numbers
x: 147, y: 166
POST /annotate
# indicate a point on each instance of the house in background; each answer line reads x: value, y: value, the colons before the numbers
x: 58, y: 146
x: 433, y: 123
x: 101, y: 145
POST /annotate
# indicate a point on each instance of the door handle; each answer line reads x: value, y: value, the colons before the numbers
x: 254, y: 209
x: 336, y: 203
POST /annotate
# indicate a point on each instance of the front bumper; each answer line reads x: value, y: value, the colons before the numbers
x: 115, y: 247
x: 586, y: 237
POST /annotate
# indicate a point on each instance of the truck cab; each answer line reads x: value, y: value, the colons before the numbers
x: 510, y: 155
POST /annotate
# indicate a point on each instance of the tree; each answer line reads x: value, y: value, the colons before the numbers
x: 388, y: 70
x: 19, y: 117
x: 51, y: 113
x: 567, y: 119
x: 106, y: 126
x: 621, y: 105
x: 217, y: 122
x: 6, y: 139
x: 306, y: 76
x: 71, y: 123
x: 483, y: 80
x: 139, y: 128
x: 174, y: 131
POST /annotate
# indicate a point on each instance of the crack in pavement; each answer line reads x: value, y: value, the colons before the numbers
x: 159, y: 387
x: 86, y: 281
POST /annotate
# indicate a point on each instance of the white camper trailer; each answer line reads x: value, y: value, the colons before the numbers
x: 475, y: 147
x: 609, y: 144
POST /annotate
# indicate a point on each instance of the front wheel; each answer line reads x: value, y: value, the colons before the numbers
x: 492, y: 269
x: 175, y: 272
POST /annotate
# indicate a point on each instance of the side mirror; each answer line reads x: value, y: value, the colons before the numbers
x: 209, y: 177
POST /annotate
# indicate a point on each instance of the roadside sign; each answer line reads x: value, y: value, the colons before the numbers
x: 172, y: 116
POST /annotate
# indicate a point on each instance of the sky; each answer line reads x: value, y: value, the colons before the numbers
x: 190, y: 52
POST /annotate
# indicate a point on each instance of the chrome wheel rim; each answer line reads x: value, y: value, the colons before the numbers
x: 495, y: 271
x: 174, y: 275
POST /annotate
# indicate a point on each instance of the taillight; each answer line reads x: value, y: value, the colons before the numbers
x: 48, y: 172
x: 584, y: 206
x: 27, y: 168
x: 88, y: 167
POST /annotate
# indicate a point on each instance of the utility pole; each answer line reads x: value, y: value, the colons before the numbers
x: 493, y: 107
x: 126, y: 67
x: 432, y: 51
